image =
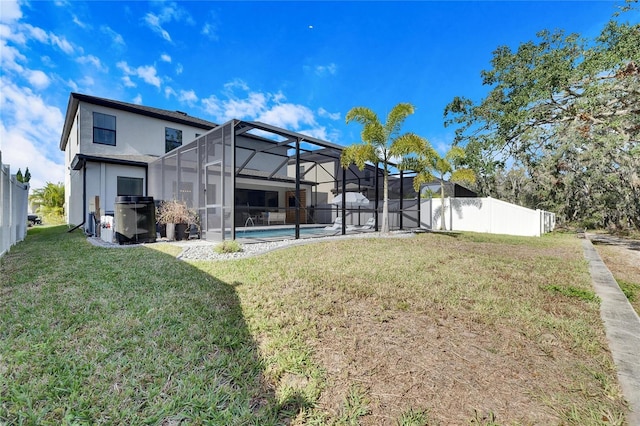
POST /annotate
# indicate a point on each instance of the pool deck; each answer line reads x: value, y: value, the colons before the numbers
x: 319, y: 226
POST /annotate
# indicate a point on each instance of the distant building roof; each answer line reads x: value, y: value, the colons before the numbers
x: 163, y: 114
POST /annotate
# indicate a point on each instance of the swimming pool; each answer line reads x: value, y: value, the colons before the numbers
x: 281, y: 232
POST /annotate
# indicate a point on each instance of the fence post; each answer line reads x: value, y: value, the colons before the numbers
x: 540, y: 222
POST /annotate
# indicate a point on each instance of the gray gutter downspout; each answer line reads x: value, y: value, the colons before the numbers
x: 84, y: 197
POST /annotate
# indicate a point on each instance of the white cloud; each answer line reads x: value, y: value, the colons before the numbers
x: 10, y: 11
x: 62, y: 43
x: 326, y: 69
x: 170, y: 12
x: 87, y: 81
x: 240, y: 102
x: 138, y: 99
x: 23, y: 33
x: 90, y: 59
x: 115, y: 37
x: 124, y: 67
x: 326, y: 114
x: 153, y: 22
x: 10, y: 57
x: 179, y: 69
x: 279, y: 97
x: 188, y: 96
x: 165, y: 58
x: 79, y: 23
x: 29, y: 133
x: 7, y: 33
x: 168, y: 91
x: 73, y: 86
x: 210, y: 30
x: 173, y: 12
x: 37, y: 33
x: 442, y: 145
x: 271, y: 108
x: 318, y: 133
x: 126, y: 80
x: 236, y: 84
x: 212, y: 106
x: 10, y: 61
x: 46, y: 60
x: 251, y: 107
x: 147, y: 73
x: 288, y: 116
x: 38, y: 79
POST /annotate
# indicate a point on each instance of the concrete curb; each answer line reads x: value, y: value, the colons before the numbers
x: 622, y: 328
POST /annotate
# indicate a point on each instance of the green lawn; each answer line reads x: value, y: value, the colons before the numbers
x: 431, y: 330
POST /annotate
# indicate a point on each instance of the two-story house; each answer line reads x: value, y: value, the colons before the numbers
x: 233, y: 174
x: 108, y: 145
x: 234, y: 171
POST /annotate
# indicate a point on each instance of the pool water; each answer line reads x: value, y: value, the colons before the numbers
x: 280, y: 232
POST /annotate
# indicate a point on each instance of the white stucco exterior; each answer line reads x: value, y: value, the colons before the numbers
x: 92, y: 169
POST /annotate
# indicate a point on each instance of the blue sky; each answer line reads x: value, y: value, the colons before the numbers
x: 298, y: 65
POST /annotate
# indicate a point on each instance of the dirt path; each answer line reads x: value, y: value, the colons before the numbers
x: 628, y: 248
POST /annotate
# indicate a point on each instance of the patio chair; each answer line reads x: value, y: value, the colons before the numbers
x: 337, y: 225
x: 370, y: 223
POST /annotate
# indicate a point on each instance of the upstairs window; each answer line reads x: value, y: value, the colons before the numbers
x: 172, y: 139
x: 104, y: 129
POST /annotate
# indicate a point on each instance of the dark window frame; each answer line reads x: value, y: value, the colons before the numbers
x: 139, y: 183
x: 100, y: 131
x: 172, y: 143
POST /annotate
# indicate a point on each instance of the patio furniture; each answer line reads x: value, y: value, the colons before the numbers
x: 274, y: 217
x: 337, y: 225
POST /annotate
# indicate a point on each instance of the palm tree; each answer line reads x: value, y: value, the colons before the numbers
x: 420, y: 157
x: 379, y: 144
x: 51, y: 200
x: 424, y: 160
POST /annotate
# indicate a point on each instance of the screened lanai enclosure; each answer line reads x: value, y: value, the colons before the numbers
x: 243, y: 175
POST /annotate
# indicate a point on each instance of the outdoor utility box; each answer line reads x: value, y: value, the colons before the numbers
x: 135, y: 220
x: 106, y: 230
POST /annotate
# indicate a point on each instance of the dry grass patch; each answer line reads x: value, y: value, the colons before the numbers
x: 468, y: 328
x: 433, y: 330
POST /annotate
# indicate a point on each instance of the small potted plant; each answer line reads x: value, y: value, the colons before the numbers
x: 175, y: 215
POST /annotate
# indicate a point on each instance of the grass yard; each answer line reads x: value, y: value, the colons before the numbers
x: 432, y: 330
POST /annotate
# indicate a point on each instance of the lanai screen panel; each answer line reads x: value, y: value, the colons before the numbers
x: 200, y: 174
x: 189, y: 178
x: 217, y: 197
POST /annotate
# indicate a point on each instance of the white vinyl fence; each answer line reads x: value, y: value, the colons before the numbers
x: 485, y: 215
x: 13, y: 209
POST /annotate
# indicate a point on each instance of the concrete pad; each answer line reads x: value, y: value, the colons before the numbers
x: 622, y: 328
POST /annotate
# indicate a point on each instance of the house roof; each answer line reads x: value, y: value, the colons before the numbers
x: 163, y: 114
x: 130, y: 160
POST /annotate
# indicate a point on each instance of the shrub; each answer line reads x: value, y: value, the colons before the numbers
x: 174, y: 212
x: 228, y: 246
